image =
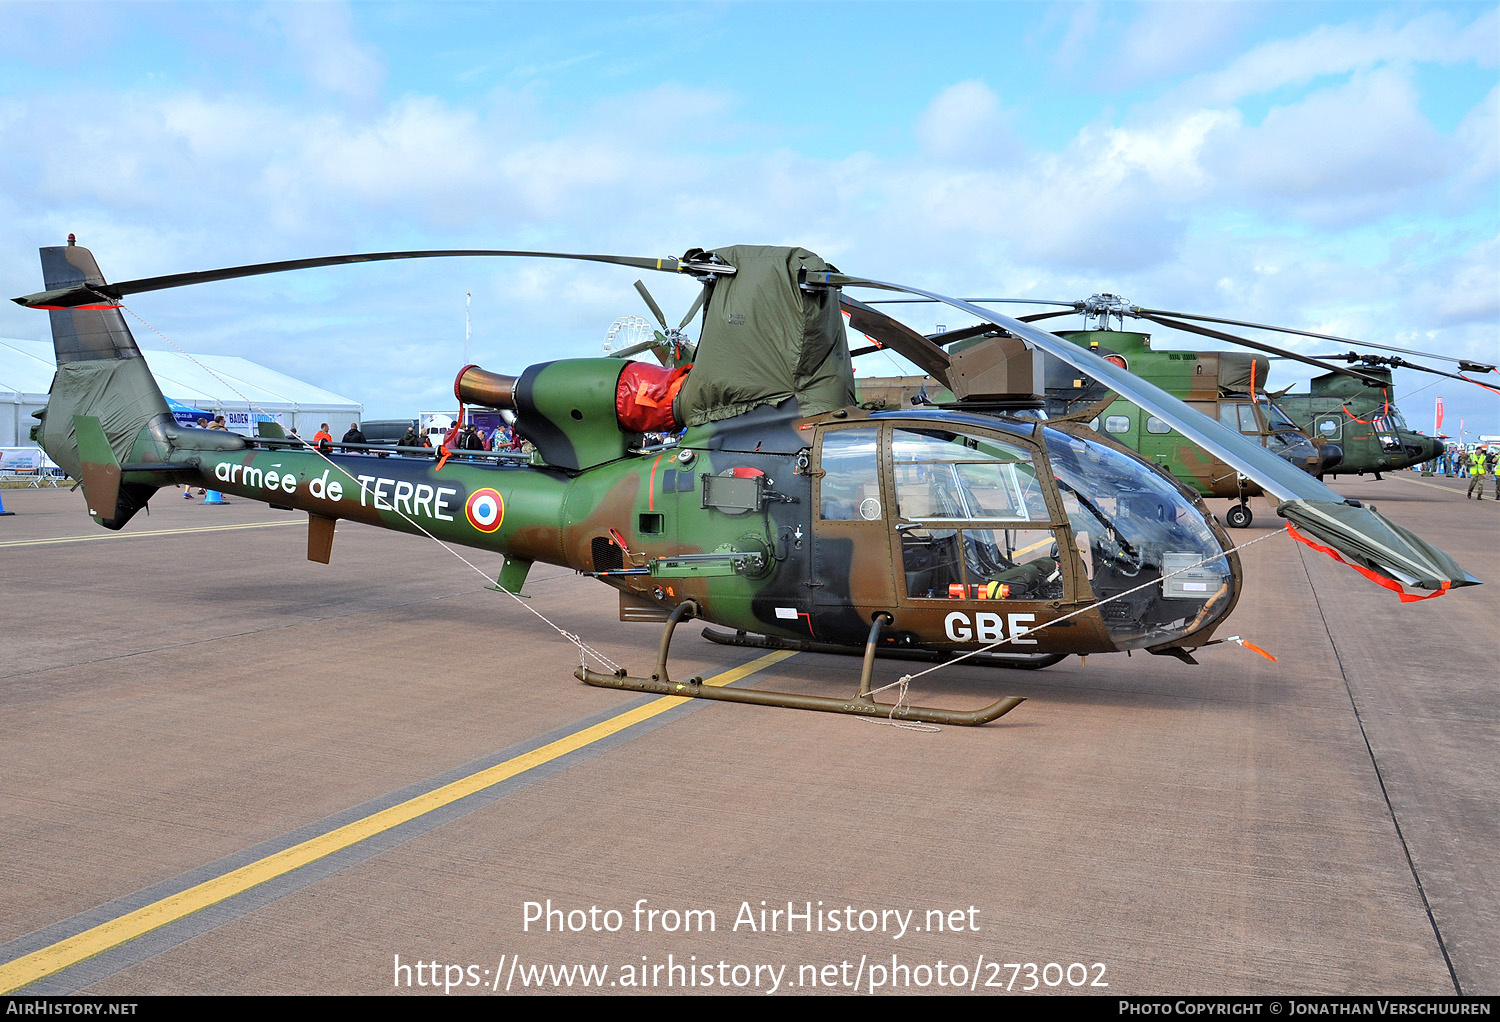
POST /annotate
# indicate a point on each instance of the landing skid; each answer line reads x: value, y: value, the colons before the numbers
x: 1012, y: 661
x: 863, y: 704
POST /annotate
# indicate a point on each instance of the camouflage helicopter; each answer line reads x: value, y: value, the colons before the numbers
x: 1325, y: 413
x: 1391, y: 444
x: 1227, y: 385
x: 1363, y: 420
x: 783, y: 511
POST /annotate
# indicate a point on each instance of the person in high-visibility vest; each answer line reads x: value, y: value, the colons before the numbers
x: 1479, y: 462
x: 1495, y: 471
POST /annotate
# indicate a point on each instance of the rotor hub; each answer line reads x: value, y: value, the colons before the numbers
x: 1098, y: 309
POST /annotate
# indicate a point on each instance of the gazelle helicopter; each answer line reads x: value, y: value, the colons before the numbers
x: 783, y: 511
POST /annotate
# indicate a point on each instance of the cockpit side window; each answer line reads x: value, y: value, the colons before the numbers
x: 951, y: 476
x: 1239, y: 415
x: 973, y: 521
x: 850, y: 485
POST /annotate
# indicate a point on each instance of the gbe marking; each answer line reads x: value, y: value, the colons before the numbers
x: 987, y: 627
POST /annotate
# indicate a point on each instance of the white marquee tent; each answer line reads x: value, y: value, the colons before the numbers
x: 236, y: 386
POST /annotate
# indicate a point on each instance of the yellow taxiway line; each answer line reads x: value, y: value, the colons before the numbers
x: 158, y: 532
x: 72, y: 950
x: 1435, y: 486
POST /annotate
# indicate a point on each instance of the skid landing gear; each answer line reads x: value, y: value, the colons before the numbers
x: 863, y: 704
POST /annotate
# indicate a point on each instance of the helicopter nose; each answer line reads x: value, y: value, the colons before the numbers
x: 1332, y: 454
x: 1297, y: 449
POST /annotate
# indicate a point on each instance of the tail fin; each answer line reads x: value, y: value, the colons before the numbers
x: 101, y: 376
x: 87, y: 332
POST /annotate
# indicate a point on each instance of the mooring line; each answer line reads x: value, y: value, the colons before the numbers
x: 584, y: 649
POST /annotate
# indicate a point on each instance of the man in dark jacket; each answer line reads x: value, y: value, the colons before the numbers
x: 354, y: 436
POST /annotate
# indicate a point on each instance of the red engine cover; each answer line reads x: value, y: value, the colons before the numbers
x: 643, y: 397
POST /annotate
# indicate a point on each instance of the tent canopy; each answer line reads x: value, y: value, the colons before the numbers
x: 27, y: 368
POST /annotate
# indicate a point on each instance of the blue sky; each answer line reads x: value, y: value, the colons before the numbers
x: 1334, y: 167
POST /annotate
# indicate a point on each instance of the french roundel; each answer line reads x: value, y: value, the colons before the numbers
x: 485, y: 510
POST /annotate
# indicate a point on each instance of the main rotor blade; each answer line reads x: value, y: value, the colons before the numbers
x: 962, y: 334
x: 1279, y: 478
x: 1038, y: 316
x: 1392, y: 361
x: 1270, y: 349
x: 636, y: 349
x: 995, y: 301
x: 84, y: 294
x: 1148, y: 313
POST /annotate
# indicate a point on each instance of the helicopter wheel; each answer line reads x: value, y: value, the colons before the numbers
x: 1239, y: 516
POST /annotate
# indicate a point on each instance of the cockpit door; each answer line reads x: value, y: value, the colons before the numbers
x: 976, y: 555
x: 851, y: 578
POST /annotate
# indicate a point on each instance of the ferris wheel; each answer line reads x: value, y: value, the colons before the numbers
x: 627, y: 332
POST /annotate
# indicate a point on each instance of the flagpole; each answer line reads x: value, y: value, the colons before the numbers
x: 468, y: 326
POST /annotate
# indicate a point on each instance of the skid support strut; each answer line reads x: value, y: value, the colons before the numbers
x: 862, y: 704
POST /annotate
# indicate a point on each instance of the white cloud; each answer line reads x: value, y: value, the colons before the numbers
x: 1462, y: 289
x: 1143, y: 43
x: 1170, y: 153
x: 1168, y: 39
x: 1083, y: 25
x: 965, y: 125
x: 322, y: 39
x: 1434, y: 37
x: 1477, y: 145
x: 1345, y: 150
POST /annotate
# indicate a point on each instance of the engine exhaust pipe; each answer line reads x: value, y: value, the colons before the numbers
x: 476, y: 386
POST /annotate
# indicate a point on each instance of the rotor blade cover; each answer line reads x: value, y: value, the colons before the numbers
x: 1367, y: 538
